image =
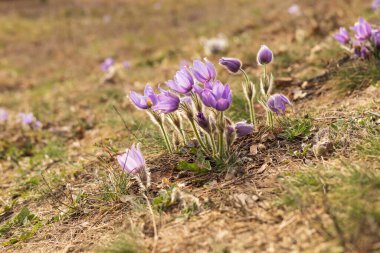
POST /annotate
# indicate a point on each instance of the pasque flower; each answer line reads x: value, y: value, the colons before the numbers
x: 107, y: 63
x: 203, y: 122
x: 233, y: 65
x: 294, y: 9
x: 182, y: 82
x: 167, y: 102
x: 375, y: 4
x: 204, y: 72
x: 264, y: 56
x: 277, y: 103
x: 342, y: 36
x: 218, y: 97
x: 27, y: 118
x: 145, y: 101
x: 376, y: 39
x: 3, y: 115
x: 243, y: 128
x: 363, y: 30
x: 132, y: 161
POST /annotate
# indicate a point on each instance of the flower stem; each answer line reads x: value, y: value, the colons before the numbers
x: 213, y: 145
x: 221, y: 137
x: 270, y: 119
x: 250, y: 99
x: 245, y: 75
x: 183, y: 136
x: 198, y: 136
x: 165, y: 137
x: 153, y: 223
x: 252, y: 112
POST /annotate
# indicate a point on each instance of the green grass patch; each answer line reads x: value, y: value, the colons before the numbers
x: 22, y: 227
x: 295, y: 128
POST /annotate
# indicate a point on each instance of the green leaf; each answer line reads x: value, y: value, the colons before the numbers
x: 198, y: 168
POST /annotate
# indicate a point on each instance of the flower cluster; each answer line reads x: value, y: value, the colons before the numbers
x: 195, y: 94
x: 366, y: 40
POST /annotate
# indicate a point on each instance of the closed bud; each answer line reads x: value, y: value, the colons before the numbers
x: 264, y: 56
x: 233, y: 65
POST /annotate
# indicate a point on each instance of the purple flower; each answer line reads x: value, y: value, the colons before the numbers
x: 360, y: 50
x: 342, y: 36
x: 376, y: 39
x: 264, y: 56
x: 233, y: 65
x: 27, y: 118
x: 218, y: 97
x: 3, y: 115
x: 243, y: 128
x: 204, y: 72
x: 37, y: 124
x: 363, y: 30
x: 145, y: 101
x: 186, y: 100
x: 277, y: 103
x: 126, y: 64
x: 294, y: 9
x: 106, y: 65
x: 167, y: 102
x: 375, y: 4
x: 364, y: 52
x: 182, y: 82
x: 132, y: 161
x: 203, y: 122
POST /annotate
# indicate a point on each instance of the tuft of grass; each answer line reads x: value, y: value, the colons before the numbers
x: 357, y: 75
x: 114, y: 185
x: 295, y: 128
x: 123, y: 244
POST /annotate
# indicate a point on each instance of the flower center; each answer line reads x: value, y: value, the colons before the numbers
x: 149, y: 103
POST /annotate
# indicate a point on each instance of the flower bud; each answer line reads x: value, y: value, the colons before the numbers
x: 233, y: 65
x: 203, y: 122
x: 243, y: 128
x: 264, y: 56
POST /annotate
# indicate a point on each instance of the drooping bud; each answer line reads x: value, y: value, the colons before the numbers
x: 243, y: 128
x: 233, y: 65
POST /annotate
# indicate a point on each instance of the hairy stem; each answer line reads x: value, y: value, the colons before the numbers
x: 153, y: 222
x: 197, y: 135
x: 221, y: 137
x: 165, y: 137
x: 249, y: 99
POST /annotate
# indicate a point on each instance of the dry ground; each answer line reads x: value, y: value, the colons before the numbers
x: 280, y: 197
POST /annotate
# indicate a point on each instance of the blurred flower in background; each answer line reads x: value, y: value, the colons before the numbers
x: 295, y: 10
x: 113, y: 70
x: 375, y: 4
x: 215, y: 45
x: 3, y: 115
x: 26, y: 118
